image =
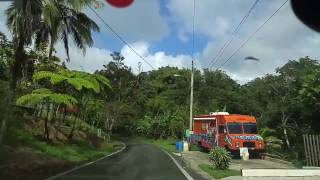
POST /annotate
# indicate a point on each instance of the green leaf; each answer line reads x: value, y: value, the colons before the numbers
x: 42, y: 91
x: 36, y: 98
x: 53, y: 77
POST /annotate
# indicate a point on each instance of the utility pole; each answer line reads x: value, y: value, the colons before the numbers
x: 191, y: 99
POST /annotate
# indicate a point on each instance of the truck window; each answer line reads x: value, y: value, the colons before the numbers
x: 221, y: 129
x: 203, y: 126
x: 250, y: 128
x: 234, y: 128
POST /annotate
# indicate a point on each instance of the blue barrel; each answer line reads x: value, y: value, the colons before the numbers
x: 179, y: 146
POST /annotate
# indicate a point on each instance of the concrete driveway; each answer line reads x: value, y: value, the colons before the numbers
x: 194, y: 158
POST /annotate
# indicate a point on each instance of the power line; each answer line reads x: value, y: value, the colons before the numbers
x: 119, y: 37
x: 192, y: 69
x: 232, y: 36
x: 193, y: 27
x: 251, y: 36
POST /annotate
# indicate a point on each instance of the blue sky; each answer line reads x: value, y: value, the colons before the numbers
x: 170, y: 43
x: 161, y: 31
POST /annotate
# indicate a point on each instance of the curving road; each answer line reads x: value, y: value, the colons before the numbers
x: 137, y: 161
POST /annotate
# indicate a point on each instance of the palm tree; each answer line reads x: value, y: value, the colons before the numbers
x: 48, y: 21
x: 23, y: 18
x: 63, y: 18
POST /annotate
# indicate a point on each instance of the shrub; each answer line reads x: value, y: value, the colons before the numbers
x: 220, y: 157
x: 272, y: 143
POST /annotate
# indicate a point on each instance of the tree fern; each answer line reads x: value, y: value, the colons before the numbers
x: 42, y: 91
x: 31, y: 99
x: 45, y: 95
x: 89, y: 77
x: 66, y: 73
x: 103, y: 80
x: 52, y: 77
x: 80, y: 83
x: 77, y: 79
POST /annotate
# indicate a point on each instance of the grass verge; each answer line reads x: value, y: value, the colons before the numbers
x: 217, y: 173
x: 166, y: 144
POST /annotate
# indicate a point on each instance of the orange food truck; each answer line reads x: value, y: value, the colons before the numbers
x: 232, y: 131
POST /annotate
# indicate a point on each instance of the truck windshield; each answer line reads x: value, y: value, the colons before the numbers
x: 250, y: 128
x: 234, y: 128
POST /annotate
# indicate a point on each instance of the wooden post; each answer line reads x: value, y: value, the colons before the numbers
x: 311, y: 150
x: 306, y: 149
x: 318, y: 148
x: 314, y: 152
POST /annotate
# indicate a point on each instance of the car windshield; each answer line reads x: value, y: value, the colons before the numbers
x: 234, y: 128
x: 250, y: 128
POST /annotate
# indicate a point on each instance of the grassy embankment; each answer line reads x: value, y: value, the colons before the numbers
x: 75, y: 152
x: 28, y: 155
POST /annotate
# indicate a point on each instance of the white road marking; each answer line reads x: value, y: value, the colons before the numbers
x: 184, y: 172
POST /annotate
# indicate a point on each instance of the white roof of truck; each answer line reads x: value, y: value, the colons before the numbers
x: 219, y: 113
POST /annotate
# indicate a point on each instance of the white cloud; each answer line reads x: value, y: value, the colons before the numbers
x: 157, y: 60
x: 92, y: 60
x: 141, y: 20
x: 213, y: 17
x: 283, y: 38
x: 95, y: 58
x: 3, y: 25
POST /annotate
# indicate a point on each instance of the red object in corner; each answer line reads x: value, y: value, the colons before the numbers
x: 120, y: 3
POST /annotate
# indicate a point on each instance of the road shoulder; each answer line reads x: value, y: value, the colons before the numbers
x: 191, y: 171
x: 87, y: 164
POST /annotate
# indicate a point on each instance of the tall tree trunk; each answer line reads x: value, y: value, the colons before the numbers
x: 17, y: 67
x: 109, y: 125
x: 286, y: 137
x: 46, y: 127
x: 64, y: 114
x: 58, y: 123
x: 40, y: 110
x: 73, y: 128
x: 16, y: 72
x: 284, y: 121
x: 3, y: 128
x: 6, y: 114
x: 119, y: 98
x: 51, y: 47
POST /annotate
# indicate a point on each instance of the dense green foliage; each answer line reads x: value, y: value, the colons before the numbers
x: 220, y: 158
x: 285, y: 103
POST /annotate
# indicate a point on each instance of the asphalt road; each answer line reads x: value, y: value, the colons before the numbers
x: 137, y: 161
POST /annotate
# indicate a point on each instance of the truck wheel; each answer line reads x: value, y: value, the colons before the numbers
x: 255, y: 155
x: 234, y: 153
x: 200, y: 147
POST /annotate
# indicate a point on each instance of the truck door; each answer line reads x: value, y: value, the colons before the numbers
x: 221, y: 135
x: 212, y: 134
